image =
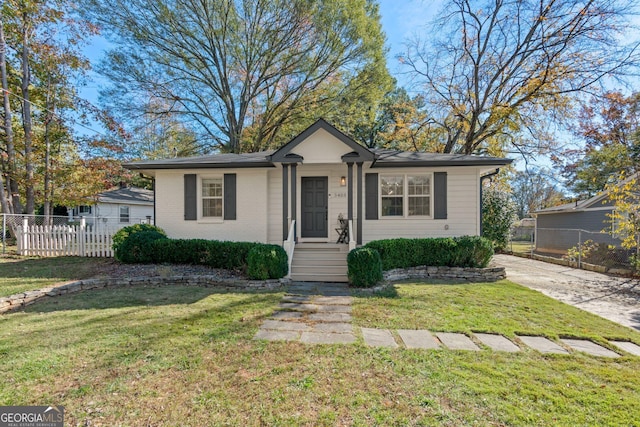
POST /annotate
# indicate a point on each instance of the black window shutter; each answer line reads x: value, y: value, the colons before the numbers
x: 440, y: 195
x: 190, y: 198
x: 371, y: 196
x: 230, y: 196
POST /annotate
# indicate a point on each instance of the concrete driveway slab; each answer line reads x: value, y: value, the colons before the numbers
x: 614, y: 298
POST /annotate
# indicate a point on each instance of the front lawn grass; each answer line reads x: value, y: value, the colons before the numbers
x: 28, y: 274
x: 178, y: 355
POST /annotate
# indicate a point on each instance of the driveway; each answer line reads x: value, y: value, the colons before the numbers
x: 614, y: 298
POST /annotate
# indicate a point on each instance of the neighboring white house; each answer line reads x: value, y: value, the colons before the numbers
x: 118, y: 208
x: 312, y: 182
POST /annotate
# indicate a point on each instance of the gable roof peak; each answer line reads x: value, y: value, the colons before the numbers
x: 362, y: 152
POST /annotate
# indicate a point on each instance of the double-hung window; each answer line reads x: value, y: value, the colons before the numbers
x: 124, y: 214
x: 405, y: 195
x: 212, y: 197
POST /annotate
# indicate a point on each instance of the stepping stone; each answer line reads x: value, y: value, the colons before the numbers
x: 277, y: 335
x: 418, y: 339
x: 287, y: 315
x: 627, y: 346
x: 455, y: 341
x: 279, y: 325
x: 298, y: 306
x: 336, y: 328
x: 333, y: 308
x: 329, y: 317
x: 542, y: 344
x: 337, y: 300
x: 589, y: 347
x: 497, y: 342
x: 326, y: 338
x: 378, y: 338
x: 296, y: 298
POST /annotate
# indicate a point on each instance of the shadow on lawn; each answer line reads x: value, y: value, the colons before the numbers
x: 138, y: 296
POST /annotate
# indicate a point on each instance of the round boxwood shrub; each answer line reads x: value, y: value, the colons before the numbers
x: 138, y: 247
x: 364, y: 267
x: 267, y: 262
x: 121, y: 235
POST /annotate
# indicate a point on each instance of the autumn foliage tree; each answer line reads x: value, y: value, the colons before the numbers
x: 608, y: 130
x: 492, y: 69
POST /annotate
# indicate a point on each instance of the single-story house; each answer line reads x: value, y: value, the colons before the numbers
x: 559, y: 228
x: 117, y: 208
x: 320, y: 188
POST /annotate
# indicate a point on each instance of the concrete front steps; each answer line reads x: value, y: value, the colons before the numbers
x: 319, y: 262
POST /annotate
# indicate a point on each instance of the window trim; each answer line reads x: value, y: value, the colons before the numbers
x: 209, y: 219
x: 405, y: 196
x: 120, y: 216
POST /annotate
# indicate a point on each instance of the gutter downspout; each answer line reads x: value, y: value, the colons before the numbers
x: 482, y: 178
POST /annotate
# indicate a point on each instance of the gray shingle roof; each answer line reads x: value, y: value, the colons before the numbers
x: 130, y: 195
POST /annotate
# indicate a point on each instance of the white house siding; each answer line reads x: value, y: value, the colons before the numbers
x: 109, y: 214
x: 274, y: 208
x: 321, y: 148
x: 463, y: 209
x: 251, y: 206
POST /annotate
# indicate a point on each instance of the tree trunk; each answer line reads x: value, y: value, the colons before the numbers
x: 26, y: 119
x: 50, y: 106
x: 8, y: 170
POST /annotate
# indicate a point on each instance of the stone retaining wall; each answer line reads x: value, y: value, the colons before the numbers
x: 23, y: 299
x: 491, y: 274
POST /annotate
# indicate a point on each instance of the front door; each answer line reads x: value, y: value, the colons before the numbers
x: 315, y: 198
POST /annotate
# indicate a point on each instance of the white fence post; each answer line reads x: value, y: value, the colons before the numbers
x: 25, y: 237
x: 81, y: 233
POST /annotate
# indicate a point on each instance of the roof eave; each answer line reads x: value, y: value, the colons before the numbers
x: 441, y: 163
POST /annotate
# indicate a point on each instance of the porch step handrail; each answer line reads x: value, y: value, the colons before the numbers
x: 289, y: 245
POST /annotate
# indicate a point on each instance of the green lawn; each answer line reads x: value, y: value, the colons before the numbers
x: 19, y: 274
x: 179, y: 355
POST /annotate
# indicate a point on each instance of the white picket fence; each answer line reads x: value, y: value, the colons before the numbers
x: 63, y: 240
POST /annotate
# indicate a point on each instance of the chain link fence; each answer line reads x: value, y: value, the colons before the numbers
x: 575, y: 247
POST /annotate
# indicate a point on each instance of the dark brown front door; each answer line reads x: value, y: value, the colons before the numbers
x: 315, y: 198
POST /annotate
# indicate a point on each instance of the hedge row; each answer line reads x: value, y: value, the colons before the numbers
x: 365, y: 264
x: 149, y: 244
x: 466, y: 251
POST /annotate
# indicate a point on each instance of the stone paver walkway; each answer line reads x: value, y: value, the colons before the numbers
x: 312, y: 313
x: 320, y: 313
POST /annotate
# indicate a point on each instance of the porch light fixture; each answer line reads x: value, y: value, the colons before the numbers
x: 343, y: 181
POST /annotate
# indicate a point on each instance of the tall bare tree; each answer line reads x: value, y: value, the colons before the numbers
x: 496, y: 68
x: 229, y: 65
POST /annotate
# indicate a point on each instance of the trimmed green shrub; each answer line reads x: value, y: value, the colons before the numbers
x: 214, y: 253
x: 121, y: 235
x: 364, y: 267
x: 472, y: 251
x: 467, y: 251
x: 403, y: 253
x: 267, y: 262
x: 138, y: 247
